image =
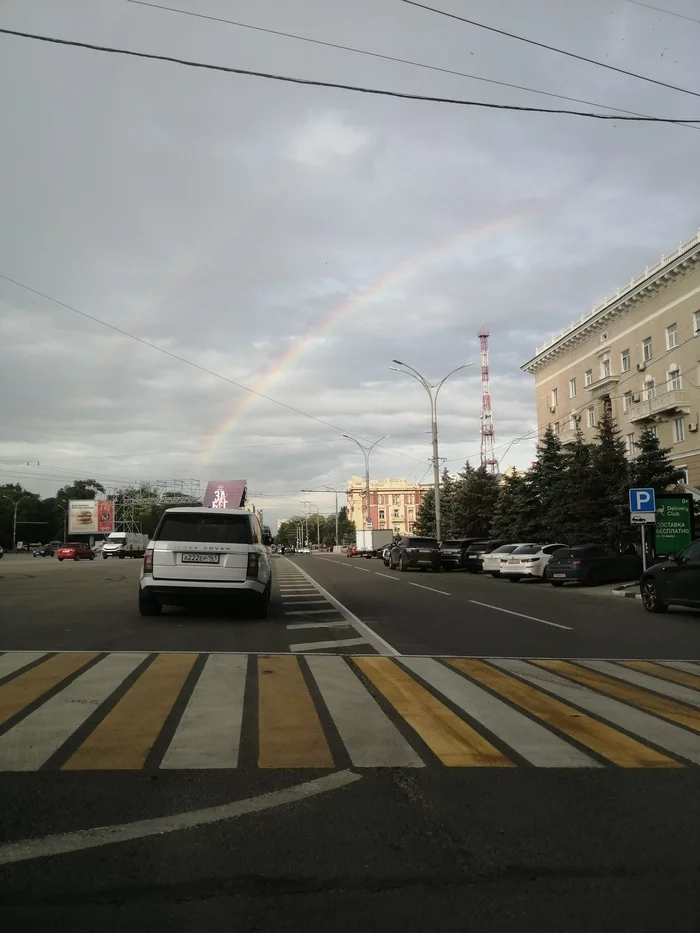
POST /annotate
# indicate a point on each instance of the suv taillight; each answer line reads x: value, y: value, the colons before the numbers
x: 575, y: 562
x: 148, y: 561
x: 253, y: 564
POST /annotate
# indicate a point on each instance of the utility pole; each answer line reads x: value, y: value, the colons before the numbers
x: 14, y: 518
x: 433, y: 390
x: 337, y: 514
x: 367, y: 518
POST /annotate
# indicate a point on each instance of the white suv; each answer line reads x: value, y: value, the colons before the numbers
x: 205, y: 554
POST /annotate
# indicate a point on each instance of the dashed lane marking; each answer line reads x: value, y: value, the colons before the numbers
x: 521, y: 615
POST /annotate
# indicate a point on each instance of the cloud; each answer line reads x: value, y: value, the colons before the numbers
x: 324, y: 139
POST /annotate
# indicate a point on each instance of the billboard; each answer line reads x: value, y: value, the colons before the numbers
x: 674, y: 523
x: 90, y: 516
x: 225, y: 494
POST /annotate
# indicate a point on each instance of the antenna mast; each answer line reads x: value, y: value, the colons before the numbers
x: 488, y: 451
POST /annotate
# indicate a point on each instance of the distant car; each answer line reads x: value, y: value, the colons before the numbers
x: 305, y: 550
x: 45, y: 550
x: 673, y: 582
x: 352, y: 551
x: 386, y: 554
x: 529, y: 560
x: 591, y: 564
x: 476, y: 551
x: 453, y: 554
x: 494, y: 560
x: 410, y: 552
x: 75, y: 550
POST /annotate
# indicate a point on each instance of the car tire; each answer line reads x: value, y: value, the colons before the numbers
x: 92, y: 557
x: 495, y: 574
x: 437, y: 568
x: 650, y: 597
x: 104, y: 557
x: 512, y: 579
x: 403, y: 566
x: 76, y: 558
x: 59, y: 559
x: 557, y: 582
x: 148, y: 604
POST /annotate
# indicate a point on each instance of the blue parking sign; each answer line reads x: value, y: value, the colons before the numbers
x: 642, y: 500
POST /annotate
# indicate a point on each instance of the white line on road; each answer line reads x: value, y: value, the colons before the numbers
x: 311, y: 612
x: 431, y: 588
x: 26, y: 849
x: 521, y: 615
x: 338, y: 623
x: 363, y: 569
x: 387, y: 575
x: 302, y: 602
x: 339, y: 643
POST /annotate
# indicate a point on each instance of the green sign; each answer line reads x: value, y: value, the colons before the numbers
x: 674, y: 523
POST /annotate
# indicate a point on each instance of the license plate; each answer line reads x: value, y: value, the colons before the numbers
x: 558, y: 575
x: 473, y: 557
x: 200, y: 558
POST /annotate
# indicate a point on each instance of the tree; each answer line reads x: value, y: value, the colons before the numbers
x: 80, y: 489
x: 511, y: 515
x: 652, y: 467
x: 267, y: 535
x: 425, y: 514
x: 548, y: 498
x: 574, y: 522
x: 475, y: 501
x: 448, y: 491
x: 609, y: 482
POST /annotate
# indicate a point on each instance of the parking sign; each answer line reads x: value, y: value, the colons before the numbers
x: 642, y: 500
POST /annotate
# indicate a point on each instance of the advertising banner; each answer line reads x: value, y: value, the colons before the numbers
x: 674, y: 523
x: 225, y: 494
x: 90, y: 516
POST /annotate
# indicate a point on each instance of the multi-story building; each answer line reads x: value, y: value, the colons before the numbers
x: 393, y: 503
x: 638, y: 352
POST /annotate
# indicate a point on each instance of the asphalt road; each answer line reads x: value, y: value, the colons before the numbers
x: 390, y: 777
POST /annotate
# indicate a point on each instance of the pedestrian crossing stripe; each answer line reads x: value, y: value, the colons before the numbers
x: 87, y: 711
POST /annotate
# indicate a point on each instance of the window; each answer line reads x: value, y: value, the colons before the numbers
x: 395, y: 513
x: 205, y: 529
x: 381, y: 514
x: 649, y: 389
x: 671, y: 336
x: 555, y: 397
x: 654, y: 430
x: 629, y: 444
x: 627, y: 401
x: 588, y: 377
x: 605, y: 369
x: 397, y: 529
x: 395, y: 500
x: 572, y: 388
x: 696, y: 322
x: 382, y: 526
x: 591, y: 417
x: 646, y: 349
x: 382, y: 500
x: 674, y: 379
x: 625, y: 361
x: 678, y: 430
x: 410, y: 515
x: 573, y: 422
x: 555, y: 428
x: 684, y: 478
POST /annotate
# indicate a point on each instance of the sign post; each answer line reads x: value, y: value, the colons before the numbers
x: 643, y: 513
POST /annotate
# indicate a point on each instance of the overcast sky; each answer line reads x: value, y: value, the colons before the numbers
x: 295, y: 239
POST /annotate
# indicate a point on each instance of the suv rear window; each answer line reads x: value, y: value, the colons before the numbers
x: 422, y: 542
x: 205, y: 529
x: 528, y: 549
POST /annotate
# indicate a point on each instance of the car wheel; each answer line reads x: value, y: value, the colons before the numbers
x: 437, y: 568
x: 104, y: 557
x: 92, y: 557
x: 148, y: 604
x: 495, y: 574
x: 59, y: 559
x: 650, y: 597
x: 512, y: 579
x: 557, y: 582
x: 76, y: 558
x: 403, y: 566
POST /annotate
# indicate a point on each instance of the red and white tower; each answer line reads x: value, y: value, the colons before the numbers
x: 488, y: 438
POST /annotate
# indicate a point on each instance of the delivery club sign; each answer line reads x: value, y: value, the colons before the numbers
x: 90, y: 516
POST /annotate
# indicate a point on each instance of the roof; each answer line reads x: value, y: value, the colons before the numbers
x: 209, y: 510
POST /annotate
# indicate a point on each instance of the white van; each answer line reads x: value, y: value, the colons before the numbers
x: 199, y: 553
x: 124, y: 544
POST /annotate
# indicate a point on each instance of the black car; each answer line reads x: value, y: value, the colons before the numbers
x: 674, y: 582
x: 46, y: 550
x: 475, y: 553
x: 453, y: 554
x: 409, y: 552
x: 591, y: 564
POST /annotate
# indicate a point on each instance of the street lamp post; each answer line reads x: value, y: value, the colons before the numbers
x: 366, y: 452
x: 433, y: 390
x: 337, y: 516
x: 318, y: 521
x: 14, y: 518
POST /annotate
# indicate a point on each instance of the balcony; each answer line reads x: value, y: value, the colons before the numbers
x: 603, y: 386
x: 661, y: 407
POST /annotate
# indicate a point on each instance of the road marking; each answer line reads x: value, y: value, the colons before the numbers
x: 125, y: 736
x: 454, y: 742
x: 388, y: 576
x: 209, y: 732
x: 28, y: 687
x: 291, y: 734
x: 319, y: 645
x: 27, y: 849
x: 691, y: 666
x: 666, y: 673
x: 601, y: 738
x: 371, y: 739
x: 363, y: 569
x: 32, y: 741
x: 534, y: 742
x: 646, y: 727
x: 9, y: 663
x: 302, y: 602
x: 340, y: 623
x: 431, y: 588
x: 377, y: 642
x: 676, y: 690
x: 521, y: 615
x: 311, y: 612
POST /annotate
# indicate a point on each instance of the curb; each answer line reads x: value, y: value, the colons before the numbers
x: 627, y: 591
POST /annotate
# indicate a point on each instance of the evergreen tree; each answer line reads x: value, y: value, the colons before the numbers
x: 447, y: 496
x: 652, y: 467
x: 546, y: 485
x: 508, y: 514
x: 425, y: 514
x: 475, y: 502
x: 575, y: 522
x: 609, y: 483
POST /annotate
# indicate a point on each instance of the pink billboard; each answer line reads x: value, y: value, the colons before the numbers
x: 225, y: 494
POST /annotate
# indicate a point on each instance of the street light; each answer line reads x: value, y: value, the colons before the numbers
x: 367, y: 451
x: 318, y: 521
x: 430, y: 388
x: 14, y: 518
x: 336, y: 491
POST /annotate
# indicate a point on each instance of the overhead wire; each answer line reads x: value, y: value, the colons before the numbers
x: 358, y: 89
x: 659, y: 9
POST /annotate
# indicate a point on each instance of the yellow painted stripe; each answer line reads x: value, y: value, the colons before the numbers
x: 608, y: 742
x: 23, y: 690
x: 665, y: 673
x: 290, y: 732
x: 642, y: 699
x: 126, y: 735
x: 454, y: 742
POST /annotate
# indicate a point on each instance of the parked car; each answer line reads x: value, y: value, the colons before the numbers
x: 493, y: 561
x: 44, y: 550
x: 529, y: 560
x: 673, y: 582
x: 453, y: 554
x: 75, y: 550
x: 591, y: 564
x: 386, y: 553
x: 477, y: 550
x: 352, y: 551
x: 409, y: 552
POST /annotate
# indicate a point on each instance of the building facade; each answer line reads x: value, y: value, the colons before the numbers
x: 393, y: 503
x: 637, y: 353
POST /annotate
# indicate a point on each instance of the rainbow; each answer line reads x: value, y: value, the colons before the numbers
x: 337, y: 315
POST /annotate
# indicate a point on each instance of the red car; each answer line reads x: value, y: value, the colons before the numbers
x: 75, y: 550
x: 352, y: 551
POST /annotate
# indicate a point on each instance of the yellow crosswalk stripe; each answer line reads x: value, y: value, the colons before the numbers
x: 290, y: 731
x: 454, y: 742
x: 608, y: 742
x: 665, y: 673
x: 642, y: 699
x: 126, y: 735
x: 28, y: 687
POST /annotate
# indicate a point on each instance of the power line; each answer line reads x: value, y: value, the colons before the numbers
x: 358, y: 89
x: 552, y: 48
x: 388, y: 58
x: 658, y: 9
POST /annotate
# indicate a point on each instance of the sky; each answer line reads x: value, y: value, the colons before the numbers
x: 295, y: 239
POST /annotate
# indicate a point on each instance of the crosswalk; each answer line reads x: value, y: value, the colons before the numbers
x: 90, y: 711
